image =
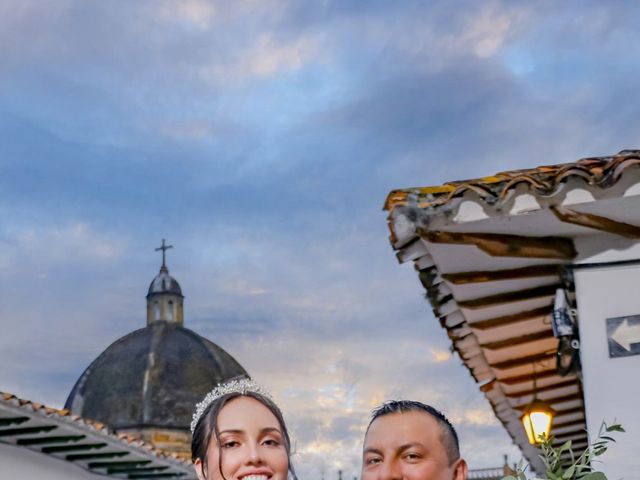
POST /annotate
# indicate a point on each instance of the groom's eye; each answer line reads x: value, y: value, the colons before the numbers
x: 373, y: 460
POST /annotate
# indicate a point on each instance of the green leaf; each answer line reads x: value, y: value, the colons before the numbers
x: 616, y: 427
x: 565, y: 446
x: 595, y: 476
x: 568, y: 474
x: 599, y: 451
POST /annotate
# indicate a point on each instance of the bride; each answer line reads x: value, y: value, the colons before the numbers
x: 239, y: 434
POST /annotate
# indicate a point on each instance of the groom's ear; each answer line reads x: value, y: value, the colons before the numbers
x: 460, y: 469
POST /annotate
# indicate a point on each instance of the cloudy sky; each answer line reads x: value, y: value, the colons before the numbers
x: 260, y: 138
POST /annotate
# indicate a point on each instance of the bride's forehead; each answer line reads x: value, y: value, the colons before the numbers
x: 246, y: 409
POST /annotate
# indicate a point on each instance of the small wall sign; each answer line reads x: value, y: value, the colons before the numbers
x: 623, y: 335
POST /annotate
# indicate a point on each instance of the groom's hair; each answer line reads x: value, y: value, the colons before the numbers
x: 448, y: 435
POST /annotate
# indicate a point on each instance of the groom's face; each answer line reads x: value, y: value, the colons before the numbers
x: 408, y: 446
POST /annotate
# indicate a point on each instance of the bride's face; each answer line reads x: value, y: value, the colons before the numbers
x: 250, y: 444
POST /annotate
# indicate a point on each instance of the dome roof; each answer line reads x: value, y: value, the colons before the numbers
x: 164, y: 283
x: 152, y: 377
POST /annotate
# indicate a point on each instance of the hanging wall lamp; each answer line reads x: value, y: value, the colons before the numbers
x: 537, y: 417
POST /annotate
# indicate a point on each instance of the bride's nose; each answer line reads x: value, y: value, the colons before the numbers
x: 254, y: 456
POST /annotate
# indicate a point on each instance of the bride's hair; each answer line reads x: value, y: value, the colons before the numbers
x: 207, y: 427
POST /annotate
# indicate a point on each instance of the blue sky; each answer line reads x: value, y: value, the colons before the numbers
x: 261, y: 138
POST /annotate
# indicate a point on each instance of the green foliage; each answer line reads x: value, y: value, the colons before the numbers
x: 580, y: 467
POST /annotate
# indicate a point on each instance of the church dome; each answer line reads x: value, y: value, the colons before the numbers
x: 164, y: 283
x: 152, y: 377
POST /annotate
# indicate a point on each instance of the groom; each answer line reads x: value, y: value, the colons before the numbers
x: 408, y: 440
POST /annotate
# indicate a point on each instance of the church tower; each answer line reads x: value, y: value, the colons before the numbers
x: 147, y: 383
x: 165, y: 300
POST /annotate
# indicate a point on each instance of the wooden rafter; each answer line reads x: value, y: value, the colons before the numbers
x: 578, y: 442
x: 596, y: 222
x: 547, y: 388
x: 518, y: 340
x: 50, y: 439
x: 130, y: 463
x: 11, y: 432
x: 569, y: 411
x: 73, y: 448
x: 561, y: 399
x: 13, y: 421
x: 140, y: 471
x: 508, y: 319
x: 480, y: 276
x: 575, y: 435
x: 95, y: 456
x: 503, y: 245
x: 528, y: 377
x: 528, y: 360
x: 507, y: 297
x: 569, y: 423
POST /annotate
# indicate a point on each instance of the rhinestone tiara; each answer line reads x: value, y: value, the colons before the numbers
x: 238, y: 385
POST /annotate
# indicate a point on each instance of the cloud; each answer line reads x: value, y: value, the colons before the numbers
x: 50, y: 246
x: 440, y: 355
x: 197, y: 13
x: 265, y: 58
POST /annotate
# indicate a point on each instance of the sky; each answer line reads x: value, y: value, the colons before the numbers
x: 260, y: 138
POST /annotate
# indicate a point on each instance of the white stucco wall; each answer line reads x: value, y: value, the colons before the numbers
x: 22, y: 464
x: 611, y: 385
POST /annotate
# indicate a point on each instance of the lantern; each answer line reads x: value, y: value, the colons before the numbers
x: 537, y: 421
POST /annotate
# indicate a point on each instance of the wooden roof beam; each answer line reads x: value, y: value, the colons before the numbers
x: 131, y: 463
x: 12, y: 432
x: 508, y: 297
x: 50, y: 439
x: 531, y: 391
x: 504, y: 245
x: 508, y: 319
x: 481, y: 276
x: 147, y: 476
x: 576, y: 447
x: 520, y: 340
x: 73, y: 448
x: 569, y: 411
x: 528, y: 377
x: 569, y: 423
x: 596, y: 222
x: 95, y: 456
x: 13, y: 421
x: 133, y: 469
x: 562, y: 399
x: 581, y: 433
x: 528, y: 360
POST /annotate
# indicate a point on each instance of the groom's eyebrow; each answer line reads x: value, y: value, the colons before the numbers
x: 372, y: 450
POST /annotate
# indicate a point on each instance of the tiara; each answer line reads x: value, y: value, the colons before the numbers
x: 241, y: 386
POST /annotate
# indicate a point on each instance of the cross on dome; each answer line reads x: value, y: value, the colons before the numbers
x: 164, y: 249
x: 164, y: 299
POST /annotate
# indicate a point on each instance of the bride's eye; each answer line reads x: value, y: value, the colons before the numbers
x: 272, y: 442
x: 230, y: 444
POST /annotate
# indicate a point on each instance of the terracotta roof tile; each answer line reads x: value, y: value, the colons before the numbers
x: 600, y: 172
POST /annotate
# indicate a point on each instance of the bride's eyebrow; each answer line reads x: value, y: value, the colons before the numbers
x: 270, y: 430
x: 238, y: 432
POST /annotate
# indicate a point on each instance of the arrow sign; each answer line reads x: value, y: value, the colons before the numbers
x: 624, y: 336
